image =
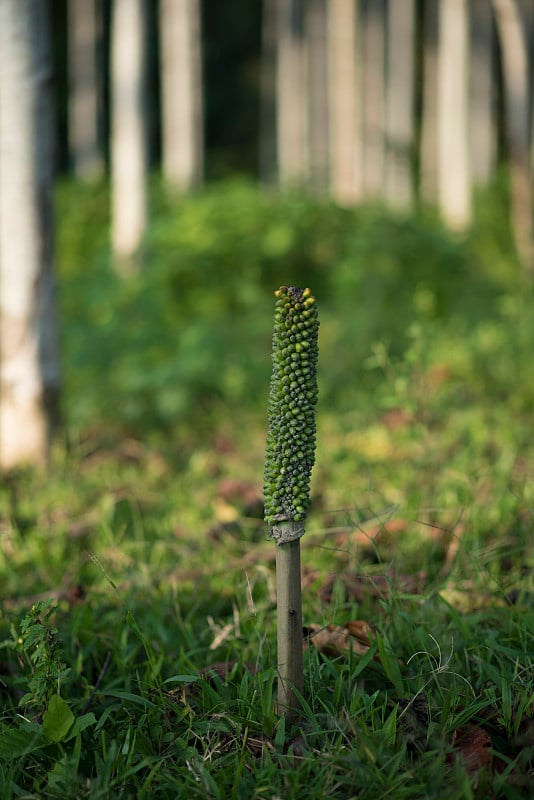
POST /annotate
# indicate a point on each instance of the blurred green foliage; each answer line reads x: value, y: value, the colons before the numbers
x: 190, y: 331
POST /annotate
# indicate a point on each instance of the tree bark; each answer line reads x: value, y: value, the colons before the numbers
x: 510, y: 29
x: 373, y: 23
x: 345, y: 100
x: 454, y: 190
x: 85, y: 154
x: 29, y: 363
x: 400, y: 110
x: 318, y: 104
x: 428, y: 180
x: 482, y: 116
x: 128, y: 135
x: 181, y: 90
x: 292, y: 133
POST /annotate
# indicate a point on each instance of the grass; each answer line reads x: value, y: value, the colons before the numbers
x: 146, y: 531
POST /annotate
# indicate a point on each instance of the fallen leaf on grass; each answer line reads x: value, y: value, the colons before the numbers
x: 437, y: 375
x: 337, y: 640
x: 473, y: 746
x: 397, y: 418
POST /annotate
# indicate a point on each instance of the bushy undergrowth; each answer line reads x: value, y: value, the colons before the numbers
x: 187, y: 331
x: 152, y: 672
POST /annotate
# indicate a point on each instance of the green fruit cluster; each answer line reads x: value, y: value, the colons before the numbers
x: 290, y: 451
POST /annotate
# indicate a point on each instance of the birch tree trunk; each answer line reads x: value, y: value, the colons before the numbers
x: 510, y: 29
x: 29, y: 365
x: 454, y: 189
x: 400, y: 110
x: 373, y: 24
x: 181, y: 91
x: 345, y: 100
x: 428, y: 181
x: 317, y: 90
x: 128, y: 134
x: 292, y: 133
x: 482, y: 117
x: 86, y: 158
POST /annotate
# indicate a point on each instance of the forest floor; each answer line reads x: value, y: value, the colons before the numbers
x: 137, y: 603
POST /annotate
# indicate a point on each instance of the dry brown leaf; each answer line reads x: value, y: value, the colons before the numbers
x: 397, y: 418
x: 337, y: 640
x: 437, y: 375
x: 473, y: 746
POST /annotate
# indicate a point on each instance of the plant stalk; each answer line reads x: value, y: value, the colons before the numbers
x: 289, y: 612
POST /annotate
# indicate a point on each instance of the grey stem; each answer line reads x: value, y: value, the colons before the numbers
x: 289, y: 606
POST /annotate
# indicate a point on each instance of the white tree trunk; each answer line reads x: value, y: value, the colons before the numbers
x: 29, y: 370
x: 453, y: 136
x: 345, y: 100
x: 86, y: 158
x: 128, y: 134
x: 482, y: 116
x: 400, y: 110
x: 428, y: 181
x: 528, y: 10
x: 292, y: 133
x: 527, y: 7
x: 510, y: 28
x: 317, y: 90
x: 373, y: 30
x: 181, y: 93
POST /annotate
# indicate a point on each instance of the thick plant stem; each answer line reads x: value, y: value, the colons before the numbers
x: 289, y: 612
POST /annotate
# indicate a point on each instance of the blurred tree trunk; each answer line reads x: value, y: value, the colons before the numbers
x: 181, y: 92
x: 345, y: 100
x: 454, y: 190
x: 482, y: 117
x: 128, y: 131
x: 29, y: 364
x: 292, y: 133
x: 373, y: 30
x: 428, y: 181
x: 267, y: 158
x: 511, y: 33
x: 317, y: 90
x: 528, y: 14
x: 400, y: 108
x: 86, y: 158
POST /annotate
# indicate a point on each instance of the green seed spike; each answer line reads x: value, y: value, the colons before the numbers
x: 290, y: 450
x: 289, y: 458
